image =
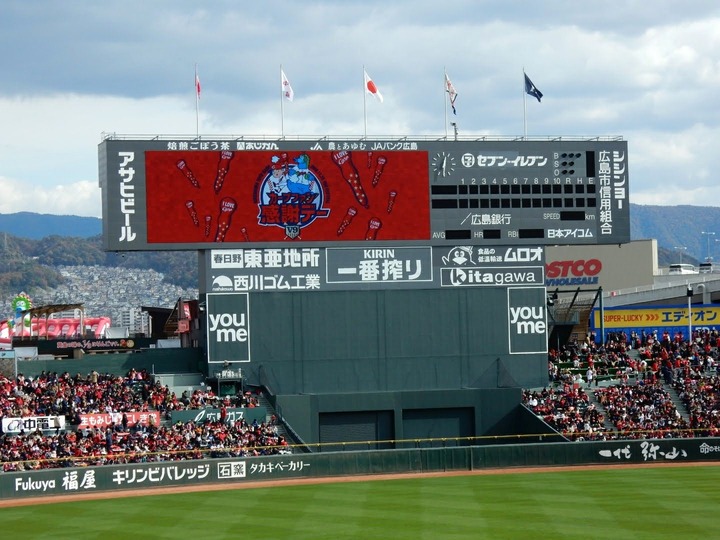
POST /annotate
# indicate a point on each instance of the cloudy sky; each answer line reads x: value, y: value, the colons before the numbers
x: 73, y: 70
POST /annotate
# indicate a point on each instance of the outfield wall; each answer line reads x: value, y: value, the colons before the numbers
x: 177, y: 360
x: 333, y: 419
x: 235, y: 471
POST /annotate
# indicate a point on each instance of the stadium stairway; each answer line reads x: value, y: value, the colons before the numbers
x: 679, y: 405
x: 592, y: 400
x: 263, y: 401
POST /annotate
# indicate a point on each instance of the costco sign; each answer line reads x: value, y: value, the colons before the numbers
x: 573, y: 272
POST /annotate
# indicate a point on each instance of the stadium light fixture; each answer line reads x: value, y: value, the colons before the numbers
x: 680, y: 249
x: 708, y: 234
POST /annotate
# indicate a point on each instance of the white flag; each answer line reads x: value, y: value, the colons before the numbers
x: 370, y: 88
x: 286, y: 88
x: 452, y: 94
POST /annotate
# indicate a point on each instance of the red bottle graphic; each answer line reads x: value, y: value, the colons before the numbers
x: 374, y: 226
x: 193, y: 213
x: 245, y: 235
x: 347, y: 220
x: 222, y: 169
x: 391, y: 200
x: 369, y: 159
x: 208, y: 225
x: 227, y: 209
x: 379, y: 166
x: 184, y: 168
x: 343, y: 159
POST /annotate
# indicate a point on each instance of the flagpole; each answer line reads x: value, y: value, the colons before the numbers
x: 445, y: 88
x: 282, y: 106
x: 197, y: 104
x: 364, y: 103
x: 524, y: 106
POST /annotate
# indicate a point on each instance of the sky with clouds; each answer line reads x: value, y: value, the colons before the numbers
x: 648, y: 72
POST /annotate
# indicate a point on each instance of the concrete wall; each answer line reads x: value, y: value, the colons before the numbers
x: 153, y: 360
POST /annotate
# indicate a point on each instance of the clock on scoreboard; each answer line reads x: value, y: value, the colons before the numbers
x: 537, y: 192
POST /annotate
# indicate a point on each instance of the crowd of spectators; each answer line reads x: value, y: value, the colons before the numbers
x: 201, y: 398
x: 51, y: 394
x: 638, y: 371
x: 644, y: 355
x: 140, y: 444
x: 63, y: 395
x: 632, y: 402
x: 642, y: 411
x: 701, y: 395
x: 578, y: 362
x: 569, y: 411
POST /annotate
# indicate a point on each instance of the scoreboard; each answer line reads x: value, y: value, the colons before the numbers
x: 206, y: 193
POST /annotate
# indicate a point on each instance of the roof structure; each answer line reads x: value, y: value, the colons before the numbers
x: 46, y: 311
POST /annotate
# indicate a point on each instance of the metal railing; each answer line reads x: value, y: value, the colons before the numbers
x: 104, y: 136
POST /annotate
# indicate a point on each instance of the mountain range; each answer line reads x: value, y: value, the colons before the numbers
x: 693, y: 231
x: 36, y: 226
x: 690, y: 233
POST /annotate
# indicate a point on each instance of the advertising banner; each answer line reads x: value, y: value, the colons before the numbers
x: 527, y: 320
x: 656, y: 319
x: 228, y: 327
x: 146, y: 418
x: 249, y: 414
x: 286, y: 269
x: 702, y: 316
x: 27, y: 424
x: 231, y: 470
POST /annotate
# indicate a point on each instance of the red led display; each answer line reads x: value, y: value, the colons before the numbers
x: 275, y: 196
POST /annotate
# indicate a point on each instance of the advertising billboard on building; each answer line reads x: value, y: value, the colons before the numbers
x: 612, y: 267
x: 228, y: 327
x: 290, y: 269
x: 176, y: 194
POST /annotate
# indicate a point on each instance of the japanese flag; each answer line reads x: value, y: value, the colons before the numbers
x: 197, y: 85
x: 370, y: 87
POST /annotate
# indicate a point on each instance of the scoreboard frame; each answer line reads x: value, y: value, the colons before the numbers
x: 164, y: 192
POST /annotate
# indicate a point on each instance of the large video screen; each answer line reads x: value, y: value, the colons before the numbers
x: 176, y: 194
x: 226, y: 196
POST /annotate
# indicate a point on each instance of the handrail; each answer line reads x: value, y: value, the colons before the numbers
x: 350, y: 446
x: 281, y: 418
x: 683, y: 282
x: 105, y: 136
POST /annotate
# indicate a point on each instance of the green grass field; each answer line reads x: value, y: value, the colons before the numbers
x: 652, y: 503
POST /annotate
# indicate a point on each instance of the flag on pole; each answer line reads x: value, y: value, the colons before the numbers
x: 531, y: 89
x: 450, y: 89
x: 370, y: 87
x: 197, y: 102
x: 287, y: 90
